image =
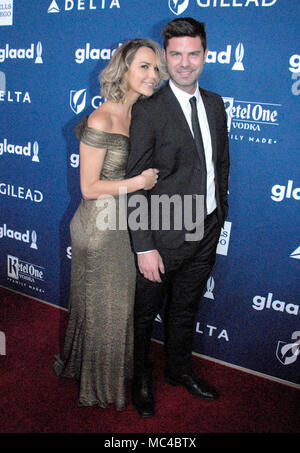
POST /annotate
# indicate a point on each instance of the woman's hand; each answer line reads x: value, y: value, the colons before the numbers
x: 150, y: 177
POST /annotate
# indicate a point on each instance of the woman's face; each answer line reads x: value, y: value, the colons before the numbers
x: 142, y: 75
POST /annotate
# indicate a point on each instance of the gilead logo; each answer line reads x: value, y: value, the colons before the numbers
x: 21, y: 192
x: 235, y: 3
x: 260, y: 303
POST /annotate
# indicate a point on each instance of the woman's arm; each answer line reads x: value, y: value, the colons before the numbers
x: 91, y: 162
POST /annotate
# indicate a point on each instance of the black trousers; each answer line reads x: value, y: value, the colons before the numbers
x: 186, y: 272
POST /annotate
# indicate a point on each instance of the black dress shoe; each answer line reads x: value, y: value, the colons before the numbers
x: 193, y: 385
x: 142, y: 397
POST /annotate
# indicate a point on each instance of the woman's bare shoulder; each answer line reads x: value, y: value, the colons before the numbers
x: 101, y: 120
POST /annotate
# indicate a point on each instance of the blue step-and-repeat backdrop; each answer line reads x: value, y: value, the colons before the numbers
x: 51, y: 53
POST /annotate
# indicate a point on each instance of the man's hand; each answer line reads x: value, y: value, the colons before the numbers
x: 150, y: 264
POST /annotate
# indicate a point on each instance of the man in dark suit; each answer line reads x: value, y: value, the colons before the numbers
x: 192, y: 161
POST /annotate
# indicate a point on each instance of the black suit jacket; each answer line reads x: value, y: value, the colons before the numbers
x: 160, y: 137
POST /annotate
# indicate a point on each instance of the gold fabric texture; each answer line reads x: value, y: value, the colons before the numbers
x: 98, y: 348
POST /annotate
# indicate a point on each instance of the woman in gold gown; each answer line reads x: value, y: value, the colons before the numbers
x: 98, y: 346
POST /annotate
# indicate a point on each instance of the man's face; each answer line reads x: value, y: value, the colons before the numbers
x: 185, y: 58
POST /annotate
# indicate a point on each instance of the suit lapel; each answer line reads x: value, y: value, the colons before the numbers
x: 177, y: 113
x: 210, y: 113
x: 173, y: 105
x: 179, y: 119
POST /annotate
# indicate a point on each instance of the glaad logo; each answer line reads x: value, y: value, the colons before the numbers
x: 287, y: 353
x: 18, y: 236
x: 87, y: 53
x: 178, y: 6
x: 209, y: 288
x: 33, y: 52
x: 296, y: 254
x: 239, y: 55
x: 39, y: 50
x: 28, y: 150
x: 250, y: 117
x: 295, y: 70
x: 295, y: 63
x: 6, y: 12
x: 74, y: 160
x: 260, y: 303
x: 78, y: 99
x: 295, y: 89
x: 224, y: 57
x: 289, y: 191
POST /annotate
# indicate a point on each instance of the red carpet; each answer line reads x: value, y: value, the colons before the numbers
x: 34, y: 400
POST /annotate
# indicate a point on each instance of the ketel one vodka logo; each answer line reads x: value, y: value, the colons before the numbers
x: 34, y: 52
x: 178, y: 6
x: 19, y: 270
x: 251, y: 121
x: 287, y: 353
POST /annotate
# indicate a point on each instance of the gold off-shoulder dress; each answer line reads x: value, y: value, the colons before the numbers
x: 98, y: 348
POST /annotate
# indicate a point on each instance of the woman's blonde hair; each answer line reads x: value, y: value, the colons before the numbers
x: 113, y: 85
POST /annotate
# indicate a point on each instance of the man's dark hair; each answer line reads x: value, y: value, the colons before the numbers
x: 185, y: 26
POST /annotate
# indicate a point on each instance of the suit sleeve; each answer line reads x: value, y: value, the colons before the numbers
x: 142, y: 143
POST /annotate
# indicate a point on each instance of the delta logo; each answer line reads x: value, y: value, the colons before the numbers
x: 56, y: 6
